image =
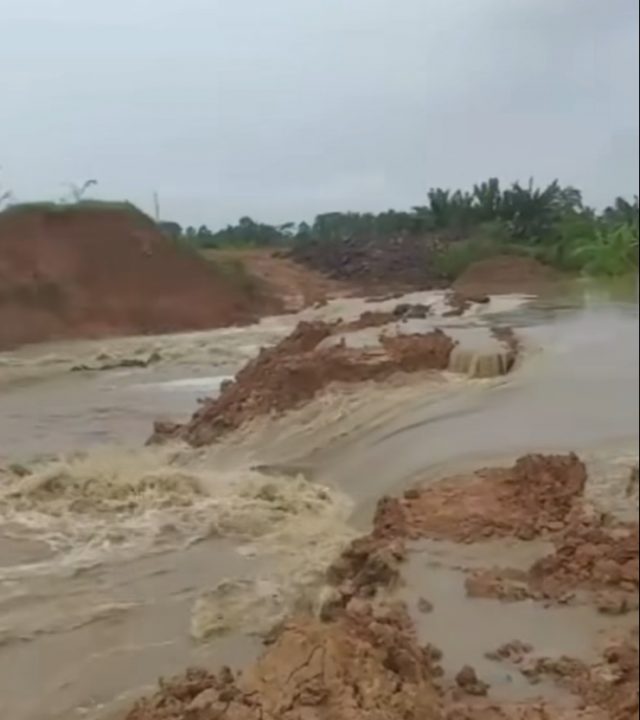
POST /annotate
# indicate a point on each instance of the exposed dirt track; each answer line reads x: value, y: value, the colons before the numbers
x: 100, y: 271
x: 291, y: 284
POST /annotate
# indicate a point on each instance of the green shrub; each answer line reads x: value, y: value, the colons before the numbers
x: 235, y: 271
x: 610, y: 251
x: 491, y: 239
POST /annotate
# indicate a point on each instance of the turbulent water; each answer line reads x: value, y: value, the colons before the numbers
x: 119, y: 563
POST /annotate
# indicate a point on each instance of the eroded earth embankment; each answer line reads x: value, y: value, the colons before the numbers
x: 361, y: 656
x: 103, y: 271
x: 318, y: 354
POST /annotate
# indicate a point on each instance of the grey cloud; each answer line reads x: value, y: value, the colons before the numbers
x: 285, y: 108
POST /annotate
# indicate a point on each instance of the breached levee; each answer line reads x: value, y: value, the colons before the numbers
x: 304, y: 364
x: 496, y: 355
x: 185, y: 541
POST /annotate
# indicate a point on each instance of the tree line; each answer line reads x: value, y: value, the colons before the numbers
x: 552, y: 222
x: 528, y: 214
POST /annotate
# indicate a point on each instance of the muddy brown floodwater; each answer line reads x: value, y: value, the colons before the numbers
x: 120, y: 563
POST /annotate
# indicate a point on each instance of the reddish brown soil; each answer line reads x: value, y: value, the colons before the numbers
x: 296, y: 370
x: 292, y: 284
x: 506, y: 274
x: 592, y: 556
x: 539, y: 495
x: 364, y: 567
x: 361, y: 659
x: 366, y: 665
x: 536, y: 495
x: 93, y: 272
x: 611, y: 684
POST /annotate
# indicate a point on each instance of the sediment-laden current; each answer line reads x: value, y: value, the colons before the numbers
x: 120, y: 563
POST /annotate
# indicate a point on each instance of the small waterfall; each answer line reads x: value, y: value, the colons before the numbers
x: 478, y: 364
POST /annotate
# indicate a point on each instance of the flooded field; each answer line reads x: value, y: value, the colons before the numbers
x: 120, y: 563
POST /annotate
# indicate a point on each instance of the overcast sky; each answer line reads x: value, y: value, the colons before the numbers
x: 280, y: 109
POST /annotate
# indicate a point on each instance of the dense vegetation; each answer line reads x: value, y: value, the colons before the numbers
x: 550, y: 223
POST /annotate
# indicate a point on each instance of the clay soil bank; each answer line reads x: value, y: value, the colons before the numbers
x: 103, y: 270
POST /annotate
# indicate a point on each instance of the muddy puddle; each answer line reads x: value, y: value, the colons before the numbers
x: 466, y: 629
x: 120, y: 564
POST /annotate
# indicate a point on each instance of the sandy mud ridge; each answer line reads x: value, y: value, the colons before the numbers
x: 297, y: 369
x: 361, y: 656
x: 307, y: 361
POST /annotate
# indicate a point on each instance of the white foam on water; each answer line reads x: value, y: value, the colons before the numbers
x: 113, y: 502
x: 209, y: 384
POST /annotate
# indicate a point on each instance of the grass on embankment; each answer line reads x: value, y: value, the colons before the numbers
x: 75, y: 206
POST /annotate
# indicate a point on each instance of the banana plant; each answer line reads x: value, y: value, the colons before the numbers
x: 611, y: 251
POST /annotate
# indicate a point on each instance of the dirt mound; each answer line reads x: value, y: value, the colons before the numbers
x: 367, y: 665
x: 592, y: 556
x: 385, y: 262
x: 536, y: 495
x: 99, y: 270
x: 505, y: 274
x: 296, y: 370
x: 611, y: 684
x: 366, y: 565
